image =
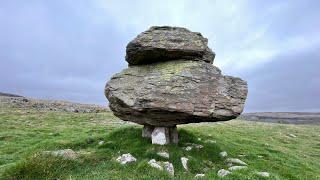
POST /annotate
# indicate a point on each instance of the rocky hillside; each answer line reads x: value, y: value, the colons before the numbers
x: 9, y: 95
x: 20, y: 102
x: 283, y: 117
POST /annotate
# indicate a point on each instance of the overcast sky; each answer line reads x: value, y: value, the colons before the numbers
x: 65, y: 49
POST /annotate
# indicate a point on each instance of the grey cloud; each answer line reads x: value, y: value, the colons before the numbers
x: 288, y: 83
x: 67, y: 50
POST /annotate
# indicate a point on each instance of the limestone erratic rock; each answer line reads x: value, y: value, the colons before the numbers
x: 170, y: 81
x: 175, y: 92
x: 164, y: 43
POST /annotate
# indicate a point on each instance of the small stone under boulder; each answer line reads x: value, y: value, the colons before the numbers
x: 164, y: 135
x: 170, y: 81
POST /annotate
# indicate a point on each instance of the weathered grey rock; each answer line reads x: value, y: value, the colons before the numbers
x: 236, y: 161
x: 161, y: 43
x: 162, y: 166
x: 169, y: 167
x: 171, y: 80
x: 160, y: 135
x: 199, y: 176
x: 223, y: 172
x: 155, y: 164
x: 188, y: 148
x: 263, y: 174
x: 234, y: 168
x: 65, y: 153
x: 164, y: 154
x: 101, y: 143
x: 223, y: 154
x: 175, y: 92
x: 184, y: 162
x: 126, y: 158
x: 164, y: 135
x: 147, y: 131
x: 173, y: 133
x: 292, y: 135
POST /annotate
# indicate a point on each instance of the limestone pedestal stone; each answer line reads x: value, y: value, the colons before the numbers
x: 147, y: 131
x: 161, y: 135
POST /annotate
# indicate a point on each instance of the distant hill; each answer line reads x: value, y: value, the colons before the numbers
x: 283, y: 117
x: 9, y: 95
x: 8, y: 101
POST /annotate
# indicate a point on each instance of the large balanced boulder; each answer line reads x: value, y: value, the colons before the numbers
x: 166, y: 43
x: 175, y: 92
x: 171, y: 81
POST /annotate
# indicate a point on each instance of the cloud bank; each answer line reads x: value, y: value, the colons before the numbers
x: 68, y: 50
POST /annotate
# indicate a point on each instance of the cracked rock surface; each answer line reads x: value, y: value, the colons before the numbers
x: 175, y: 92
x: 165, y: 43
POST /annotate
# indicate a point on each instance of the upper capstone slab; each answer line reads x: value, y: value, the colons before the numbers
x: 165, y: 43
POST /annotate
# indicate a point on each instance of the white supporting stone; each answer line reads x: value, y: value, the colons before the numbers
x: 160, y: 135
x: 147, y: 131
x: 164, y: 135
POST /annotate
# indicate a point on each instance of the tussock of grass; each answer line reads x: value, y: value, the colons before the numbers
x: 23, y: 136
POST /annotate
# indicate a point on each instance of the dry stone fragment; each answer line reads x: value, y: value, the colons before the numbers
x: 126, y: 158
x: 184, y: 162
x: 223, y: 172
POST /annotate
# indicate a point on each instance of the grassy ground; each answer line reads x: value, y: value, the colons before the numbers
x: 25, y: 134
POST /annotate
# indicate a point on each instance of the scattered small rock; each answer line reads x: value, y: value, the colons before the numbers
x: 263, y: 174
x: 188, y: 148
x: 199, y: 175
x: 236, y: 161
x: 260, y: 156
x: 169, y: 167
x: 234, y: 168
x: 153, y: 163
x: 126, y: 158
x: 199, y: 139
x: 101, y: 143
x: 191, y: 146
x: 292, y: 135
x: 211, y: 141
x: 184, y: 162
x: 198, y: 146
x: 65, y: 153
x: 223, y: 172
x: 223, y: 154
x: 162, y: 165
x: 229, y: 164
x: 164, y: 154
x: 241, y: 155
